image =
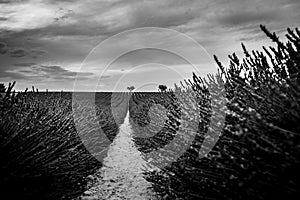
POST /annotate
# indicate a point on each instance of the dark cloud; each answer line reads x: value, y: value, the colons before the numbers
x: 24, y: 64
x: 4, y: 1
x: 35, y: 53
x: 57, y: 30
x: 3, y: 18
x: 12, y: 1
x: 106, y: 18
x: 32, y: 71
x: 247, y: 17
x: 57, y: 72
x: 98, y: 21
x: 293, y: 1
x: 3, y: 48
x: 59, y: 1
x: 163, y: 14
x: 19, y: 52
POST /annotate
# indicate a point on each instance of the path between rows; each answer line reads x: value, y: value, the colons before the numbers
x: 121, y: 175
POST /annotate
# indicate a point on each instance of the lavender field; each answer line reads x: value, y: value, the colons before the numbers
x: 256, y: 155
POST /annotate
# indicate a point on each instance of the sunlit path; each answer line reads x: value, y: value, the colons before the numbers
x: 121, y: 176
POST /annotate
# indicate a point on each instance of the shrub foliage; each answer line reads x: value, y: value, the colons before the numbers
x: 257, y: 155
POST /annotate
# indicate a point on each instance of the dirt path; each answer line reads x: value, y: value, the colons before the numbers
x: 121, y: 176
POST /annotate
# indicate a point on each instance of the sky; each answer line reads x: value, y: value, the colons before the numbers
x: 53, y: 44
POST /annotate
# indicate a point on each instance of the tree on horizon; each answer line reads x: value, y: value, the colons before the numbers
x: 131, y: 88
x: 162, y: 88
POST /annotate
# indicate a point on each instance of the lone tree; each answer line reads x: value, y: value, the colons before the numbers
x: 162, y: 88
x: 2, y: 88
x: 131, y: 88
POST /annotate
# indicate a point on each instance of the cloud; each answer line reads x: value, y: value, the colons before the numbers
x: 3, y: 48
x: 5, y: 1
x: 57, y: 72
x: 62, y: 18
x: 65, y: 31
x: 248, y: 17
x: 38, y: 18
x: 97, y: 20
x: 293, y: 2
x: 17, y: 53
x: 12, y: 1
x: 32, y: 71
x: 35, y: 53
x: 3, y: 18
x: 24, y: 64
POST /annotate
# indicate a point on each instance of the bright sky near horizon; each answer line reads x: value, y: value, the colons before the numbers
x: 44, y: 42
